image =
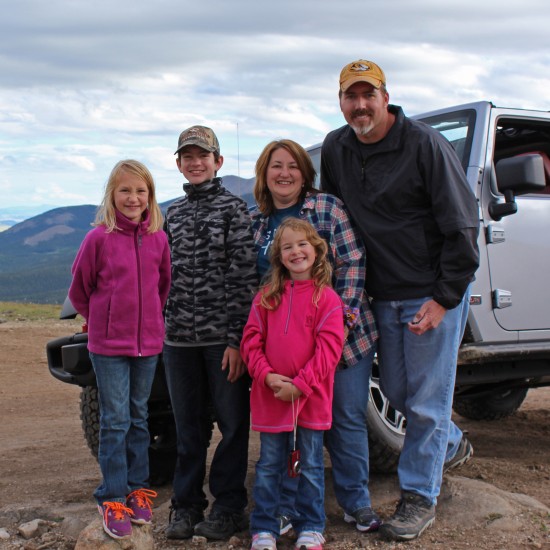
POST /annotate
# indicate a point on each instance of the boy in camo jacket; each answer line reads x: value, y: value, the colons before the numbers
x: 213, y: 283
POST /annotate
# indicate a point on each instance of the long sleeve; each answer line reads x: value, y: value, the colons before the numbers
x: 84, y: 271
x: 329, y: 341
x: 253, y: 343
x: 241, y: 279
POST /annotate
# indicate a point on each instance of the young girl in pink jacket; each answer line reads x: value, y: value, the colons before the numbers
x: 121, y: 279
x: 291, y: 344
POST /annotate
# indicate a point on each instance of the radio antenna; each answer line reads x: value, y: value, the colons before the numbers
x: 238, y: 160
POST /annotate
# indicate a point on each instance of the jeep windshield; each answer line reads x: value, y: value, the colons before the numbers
x: 458, y: 128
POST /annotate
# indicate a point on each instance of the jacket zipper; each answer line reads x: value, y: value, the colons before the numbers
x: 289, y: 306
x: 137, y: 245
x: 194, y: 276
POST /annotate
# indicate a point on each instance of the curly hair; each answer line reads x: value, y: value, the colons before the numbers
x: 321, y: 272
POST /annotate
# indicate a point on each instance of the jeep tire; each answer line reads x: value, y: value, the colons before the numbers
x: 492, y: 405
x: 386, y: 427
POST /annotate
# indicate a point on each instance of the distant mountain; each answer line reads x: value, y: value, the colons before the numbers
x: 36, y: 255
x: 11, y: 215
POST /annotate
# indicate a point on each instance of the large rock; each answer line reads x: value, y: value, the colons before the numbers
x: 465, y: 501
x: 93, y: 537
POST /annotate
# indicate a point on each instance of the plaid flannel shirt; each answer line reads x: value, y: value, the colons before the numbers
x: 348, y: 259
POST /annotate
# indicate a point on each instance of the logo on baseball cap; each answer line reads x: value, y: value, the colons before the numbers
x: 200, y: 136
x: 362, y: 71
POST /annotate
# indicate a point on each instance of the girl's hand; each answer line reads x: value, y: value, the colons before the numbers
x: 275, y: 381
x: 288, y: 392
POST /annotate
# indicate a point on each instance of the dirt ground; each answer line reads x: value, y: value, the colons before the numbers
x: 501, y: 499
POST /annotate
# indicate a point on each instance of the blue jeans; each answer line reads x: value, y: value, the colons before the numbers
x: 197, y: 384
x: 124, y: 385
x: 417, y: 375
x: 271, y: 469
x: 347, y: 441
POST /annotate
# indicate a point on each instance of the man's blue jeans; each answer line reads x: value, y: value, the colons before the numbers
x: 197, y: 384
x: 124, y: 385
x: 271, y: 469
x: 417, y: 375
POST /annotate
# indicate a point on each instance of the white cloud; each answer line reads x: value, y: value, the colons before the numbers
x: 84, y: 84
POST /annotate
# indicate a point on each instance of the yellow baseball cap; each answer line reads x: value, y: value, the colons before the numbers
x: 361, y: 71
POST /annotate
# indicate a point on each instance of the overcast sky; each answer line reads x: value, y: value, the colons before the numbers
x: 85, y: 83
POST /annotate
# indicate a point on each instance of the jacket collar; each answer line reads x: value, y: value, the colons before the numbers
x: 389, y: 142
x: 203, y: 190
x: 128, y: 226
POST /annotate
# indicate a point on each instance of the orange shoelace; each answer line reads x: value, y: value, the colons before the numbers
x: 118, y: 509
x: 142, y: 497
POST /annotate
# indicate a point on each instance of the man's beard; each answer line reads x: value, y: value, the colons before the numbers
x: 361, y: 129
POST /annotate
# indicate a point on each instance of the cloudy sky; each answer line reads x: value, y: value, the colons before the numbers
x: 85, y: 83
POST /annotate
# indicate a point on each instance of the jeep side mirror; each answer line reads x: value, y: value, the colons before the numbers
x: 517, y: 176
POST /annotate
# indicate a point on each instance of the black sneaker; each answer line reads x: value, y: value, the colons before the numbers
x: 463, y: 454
x: 365, y: 519
x: 221, y: 525
x: 414, y: 514
x: 285, y: 524
x: 181, y: 523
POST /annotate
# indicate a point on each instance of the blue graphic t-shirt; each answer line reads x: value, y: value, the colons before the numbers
x: 275, y: 219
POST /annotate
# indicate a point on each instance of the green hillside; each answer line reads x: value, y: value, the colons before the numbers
x: 36, y: 255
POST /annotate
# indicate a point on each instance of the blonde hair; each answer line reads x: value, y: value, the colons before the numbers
x: 106, y: 212
x: 321, y: 272
x: 262, y: 194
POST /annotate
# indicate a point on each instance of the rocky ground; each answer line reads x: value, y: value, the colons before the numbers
x: 500, y: 500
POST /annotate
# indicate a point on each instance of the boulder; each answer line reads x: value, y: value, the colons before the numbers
x: 93, y: 537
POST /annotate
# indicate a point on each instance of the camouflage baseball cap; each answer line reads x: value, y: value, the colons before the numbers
x: 201, y: 136
x: 361, y: 71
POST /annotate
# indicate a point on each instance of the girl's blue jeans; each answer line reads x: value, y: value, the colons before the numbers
x: 417, y: 375
x: 346, y: 441
x: 124, y: 385
x: 270, y: 470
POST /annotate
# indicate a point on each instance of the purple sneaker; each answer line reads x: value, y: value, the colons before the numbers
x: 139, y: 501
x: 116, y: 519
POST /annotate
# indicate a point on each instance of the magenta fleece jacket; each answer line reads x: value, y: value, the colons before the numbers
x: 120, y: 285
x: 298, y: 340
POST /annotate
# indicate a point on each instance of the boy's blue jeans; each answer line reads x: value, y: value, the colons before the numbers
x: 197, y: 383
x: 346, y: 441
x: 417, y: 375
x: 124, y: 385
x: 270, y: 471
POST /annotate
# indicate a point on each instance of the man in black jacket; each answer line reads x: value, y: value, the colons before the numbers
x: 407, y: 193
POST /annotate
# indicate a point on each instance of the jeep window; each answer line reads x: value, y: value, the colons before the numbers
x: 458, y: 128
x: 519, y: 136
x: 315, y: 154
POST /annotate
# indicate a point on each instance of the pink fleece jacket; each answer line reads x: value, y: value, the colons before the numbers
x: 298, y: 340
x: 120, y: 285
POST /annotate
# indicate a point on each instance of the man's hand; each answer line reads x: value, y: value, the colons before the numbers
x: 427, y: 317
x: 232, y: 359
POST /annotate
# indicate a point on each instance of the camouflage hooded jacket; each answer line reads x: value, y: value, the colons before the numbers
x: 213, y: 266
